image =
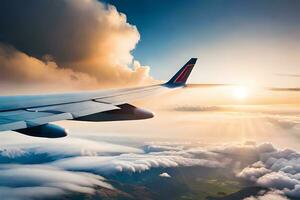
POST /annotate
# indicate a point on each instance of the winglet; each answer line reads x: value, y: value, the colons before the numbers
x: 180, y: 78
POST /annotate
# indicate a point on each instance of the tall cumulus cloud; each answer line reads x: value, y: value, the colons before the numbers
x: 83, y: 43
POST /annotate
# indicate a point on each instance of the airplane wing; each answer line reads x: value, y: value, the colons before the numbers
x: 31, y: 115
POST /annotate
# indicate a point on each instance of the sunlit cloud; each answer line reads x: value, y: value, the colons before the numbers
x: 90, y: 47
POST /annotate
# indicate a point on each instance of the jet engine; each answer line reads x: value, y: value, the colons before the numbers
x: 46, y: 131
x: 126, y: 112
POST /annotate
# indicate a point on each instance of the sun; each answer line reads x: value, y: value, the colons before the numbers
x: 240, y: 92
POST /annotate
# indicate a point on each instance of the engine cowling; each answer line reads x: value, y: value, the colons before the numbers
x: 126, y: 112
x: 46, y: 131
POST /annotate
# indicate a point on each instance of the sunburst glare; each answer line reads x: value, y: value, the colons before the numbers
x: 240, y: 92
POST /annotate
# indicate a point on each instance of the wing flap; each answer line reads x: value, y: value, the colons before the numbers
x: 51, y: 118
x: 13, y: 126
x: 28, y: 119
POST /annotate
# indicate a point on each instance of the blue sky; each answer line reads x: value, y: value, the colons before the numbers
x: 171, y: 32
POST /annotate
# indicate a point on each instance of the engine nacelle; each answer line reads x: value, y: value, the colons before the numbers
x: 126, y: 112
x: 46, y: 131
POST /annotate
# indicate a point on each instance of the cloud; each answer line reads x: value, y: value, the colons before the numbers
x: 18, y: 68
x: 132, y: 163
x: 42, y: 151
x: 36, y: 181
x: 252, y: 173
x: 278, y: 169
x: 288, y: 75
x: 165, y: 175
x: 271, y: 195
x: 85, y: 42
x: 247, y: 148
x: 278, y: 180
x: 199, y: 108
x: 283, y: 111
x: 36, y: 164
x: 160, y: 148
x: 285, y: 122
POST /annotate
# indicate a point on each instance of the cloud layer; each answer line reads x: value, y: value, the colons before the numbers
x: 37, y: 165
x: 29, y: 182
x: 84, y: 43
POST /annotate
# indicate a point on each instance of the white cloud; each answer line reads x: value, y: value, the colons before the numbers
x: 132, y: 163
x: 278, y: 169
x: 252, y: 173
x: 78, y: 160
x: 279, y: 180
x: 63, y: 147
x: 272, y: 195
x: 165, y: 175
x: 32, y: 181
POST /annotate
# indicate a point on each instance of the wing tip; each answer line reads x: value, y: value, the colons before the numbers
x: 180, y: 78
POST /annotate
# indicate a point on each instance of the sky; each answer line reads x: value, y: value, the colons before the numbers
x: 69, y: 45
x: 141, y: 42
x: 235, y: 41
